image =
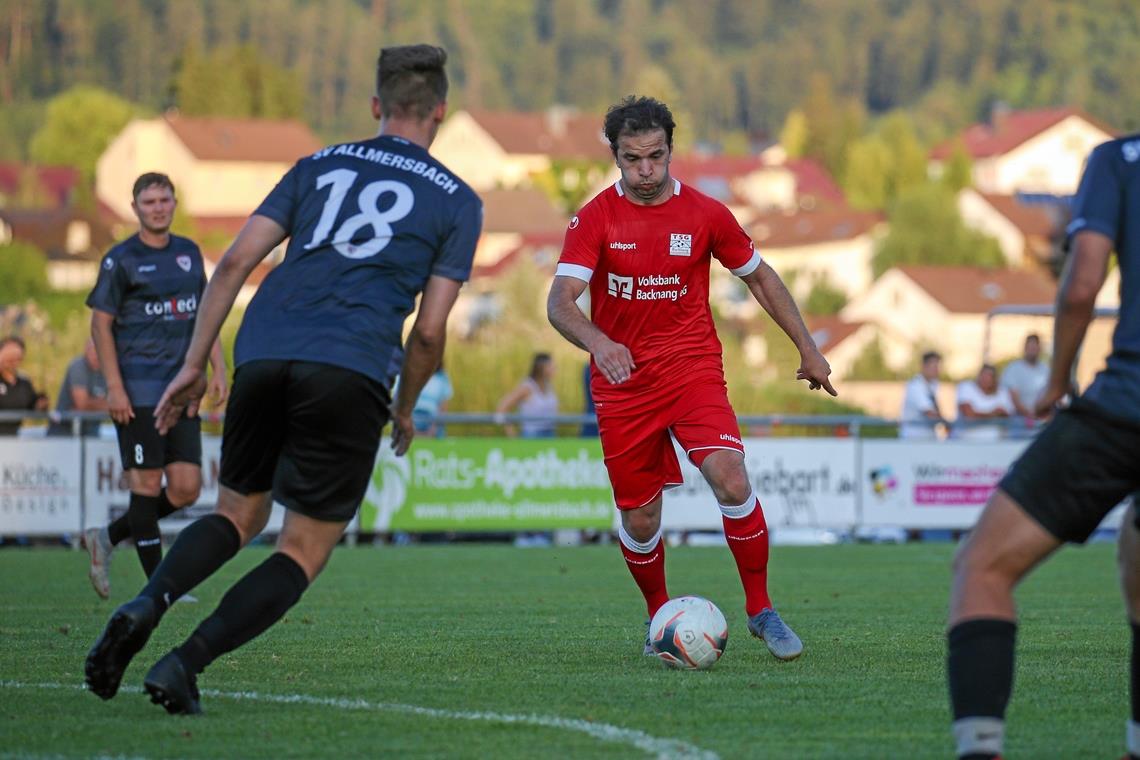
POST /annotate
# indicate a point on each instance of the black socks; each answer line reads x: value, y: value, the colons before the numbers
x: 251, y: 606
x: 142, y: 516
x: 120, y: 530
x: 200, y: 549
x: 980, y: 669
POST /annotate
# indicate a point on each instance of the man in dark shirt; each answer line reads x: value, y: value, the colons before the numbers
x: 16, y: 391
x: 371, y: 225
x: 1082, y: 465
x: 144, y: 305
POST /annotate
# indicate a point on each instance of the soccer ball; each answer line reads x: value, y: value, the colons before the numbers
x: 688, y: 632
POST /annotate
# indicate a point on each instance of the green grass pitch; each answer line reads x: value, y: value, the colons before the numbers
x: 492, y: 651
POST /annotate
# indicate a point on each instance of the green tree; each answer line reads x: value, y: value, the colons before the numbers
x: 925, y: 228
x: 824, y: 299
x: 793, y: 135
x: 958, y: 171
x: 236, y: 82
x: 866, y: 180
x: 23, y: 270
x: 78, y: 126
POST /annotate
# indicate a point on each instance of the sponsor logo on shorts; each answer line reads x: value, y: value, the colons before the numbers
x: 616, y: 246
x: 731, y: 439
x: 680, y: 244
x: 173, y: 308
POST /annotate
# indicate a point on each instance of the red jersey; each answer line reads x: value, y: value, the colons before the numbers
x: 648, y: 270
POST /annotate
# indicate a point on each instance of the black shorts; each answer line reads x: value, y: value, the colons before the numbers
x: 307, y: 432
x: 141, y: 447
x: 1082, y: 465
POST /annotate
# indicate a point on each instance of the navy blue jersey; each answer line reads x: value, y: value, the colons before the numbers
x: 1108, y: 202
x: 153, y: 294
x: 368, y: 223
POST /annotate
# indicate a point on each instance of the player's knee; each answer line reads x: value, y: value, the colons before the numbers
x: 735, y: 490
x: 642, y: 526
x: 182, y: 495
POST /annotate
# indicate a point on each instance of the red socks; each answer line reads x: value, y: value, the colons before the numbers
x: 747, y: 535
x: 646, y: 563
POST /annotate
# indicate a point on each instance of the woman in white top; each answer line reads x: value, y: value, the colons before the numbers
x: 534, y: 397
x: 982, y: 400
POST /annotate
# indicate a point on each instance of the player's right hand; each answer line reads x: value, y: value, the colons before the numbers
x: 614, y: 361
x: 181, y: 398
x: 815, y: 369
x: 119, y: 405
x: 403, y: 431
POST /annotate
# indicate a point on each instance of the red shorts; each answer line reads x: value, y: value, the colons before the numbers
x: 636, y: 438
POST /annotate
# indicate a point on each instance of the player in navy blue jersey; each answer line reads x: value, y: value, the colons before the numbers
x: 371, y: 226
x: 144, y: 306
x: 1082, y: 465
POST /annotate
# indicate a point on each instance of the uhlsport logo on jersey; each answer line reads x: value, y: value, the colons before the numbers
x: 184, y: 263
x: 173, y: 308
x: 620, y: 287
x: 619, y: 246
x: 680, y: 244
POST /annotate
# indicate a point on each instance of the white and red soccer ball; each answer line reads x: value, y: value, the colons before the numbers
x: 688, y: 632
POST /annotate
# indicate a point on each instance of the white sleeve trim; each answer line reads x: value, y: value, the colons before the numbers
x: 577, y: 271
x: 749, y: 267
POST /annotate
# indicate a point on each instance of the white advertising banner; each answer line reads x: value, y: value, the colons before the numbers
x: 801, y: 482
x: 933, y: 484
x: 39, y: 486
x: 108, y: 495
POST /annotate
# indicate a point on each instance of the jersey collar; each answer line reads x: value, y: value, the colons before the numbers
x: 676, y: 187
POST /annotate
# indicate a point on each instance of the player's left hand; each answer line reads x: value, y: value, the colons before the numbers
x: 218, y: 390
x: 815, y: 369
x: 1050, y: 401
x: 181, y: 398
x: 403, y: 431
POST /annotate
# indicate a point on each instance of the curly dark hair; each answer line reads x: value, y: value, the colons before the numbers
x: 634, y: 115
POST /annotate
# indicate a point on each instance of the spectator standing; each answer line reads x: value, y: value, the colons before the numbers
x: 1025, y: 378
x: 920, y: 412
x: 982, y: 399
x: 534, y: 397
x: 16, y: 391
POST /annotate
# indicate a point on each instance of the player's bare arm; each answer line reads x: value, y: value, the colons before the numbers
x: 219, y: 388
x: 118, y: 403
x: 257, y: 238
x: 770, y: 292
x: 422, y: 354
x: 1084, y: 275
x: 613, y: 359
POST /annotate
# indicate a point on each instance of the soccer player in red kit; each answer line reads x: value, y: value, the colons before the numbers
x: 644, y: 248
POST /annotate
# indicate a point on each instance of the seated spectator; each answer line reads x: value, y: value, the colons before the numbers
x: 16, y: 391
x: 84, y: 389
x: 982, y: 399
x: 534, y: 397
x: 1025, y: 378
x: 432, y: 403
x: 920, y: 414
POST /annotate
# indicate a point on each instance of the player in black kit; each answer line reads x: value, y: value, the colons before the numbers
x: 371, y: 225
x: 144, y: 306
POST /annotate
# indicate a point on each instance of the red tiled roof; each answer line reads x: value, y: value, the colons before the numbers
x: 542, y: 248
x: 984, y: 140
x: 558, y: 134
x: 218, y: 139
x: 57, y: 181
x: 974, y: 290
x: 47, y: 230
x: 1030, y: 219
x: 525, y: 211
x: 829, y: 332
x: 814, y: 181
x: 692, y: 167
x: 788, y: 230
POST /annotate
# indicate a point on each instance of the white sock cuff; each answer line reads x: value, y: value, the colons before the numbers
x: 738, y: 511
x: 640, y: 547
x: 1132, y: 738
x: 979, y: 735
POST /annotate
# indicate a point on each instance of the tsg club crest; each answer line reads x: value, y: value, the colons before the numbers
x: 680, y: 245
x: 184, y: 263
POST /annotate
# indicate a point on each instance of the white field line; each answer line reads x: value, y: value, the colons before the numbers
x: 664, y: 749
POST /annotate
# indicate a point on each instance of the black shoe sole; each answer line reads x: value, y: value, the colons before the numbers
x: 172, y: 687
x: 122, y: 639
